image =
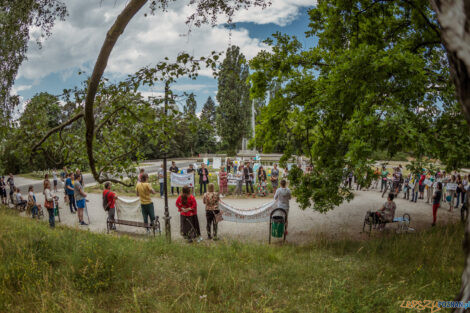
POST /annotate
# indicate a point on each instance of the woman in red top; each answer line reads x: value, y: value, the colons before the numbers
x: 187, y: 206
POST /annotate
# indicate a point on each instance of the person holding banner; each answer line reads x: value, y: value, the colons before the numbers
x: 211, y: 200
x: 203, y: 173
x: 174, y: 169
x: 223, y: 181
x: 189, y: 223
x: 143, y: 191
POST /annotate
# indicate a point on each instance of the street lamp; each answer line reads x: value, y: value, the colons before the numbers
x: 167, y: 216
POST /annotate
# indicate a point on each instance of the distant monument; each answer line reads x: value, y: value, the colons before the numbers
x: 244, y: 151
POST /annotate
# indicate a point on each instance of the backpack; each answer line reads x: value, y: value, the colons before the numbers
x: 105, y: 201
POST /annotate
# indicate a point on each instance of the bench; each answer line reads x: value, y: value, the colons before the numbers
x: 155, y: 227
x: 402, y: 221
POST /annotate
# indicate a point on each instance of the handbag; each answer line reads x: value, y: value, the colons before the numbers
x: 219, y: 217
x: 49, y: 204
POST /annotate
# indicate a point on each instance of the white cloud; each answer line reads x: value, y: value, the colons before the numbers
x: 75, y: 43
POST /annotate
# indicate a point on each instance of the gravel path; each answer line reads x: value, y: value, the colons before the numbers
x: 345, y: 221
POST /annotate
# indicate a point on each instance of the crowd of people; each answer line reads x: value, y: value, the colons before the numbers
x: 433, y: 187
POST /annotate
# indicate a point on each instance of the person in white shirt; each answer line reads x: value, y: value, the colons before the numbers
x: 49, y: 203
x: 282, y: 197
x: 54, y: 179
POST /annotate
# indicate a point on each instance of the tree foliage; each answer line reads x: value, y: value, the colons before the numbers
x: 234, y: 110
x: 376, y: 80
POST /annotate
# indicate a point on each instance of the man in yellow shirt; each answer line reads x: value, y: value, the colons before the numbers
x: 143, y: 191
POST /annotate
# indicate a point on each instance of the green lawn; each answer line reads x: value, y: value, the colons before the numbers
x: 66, y: 270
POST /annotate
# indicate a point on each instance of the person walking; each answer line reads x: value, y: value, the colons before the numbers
x: 49, y: 203
x: 143, y: 191
x: 436, y: 202
x: 80, y: 198
x: 248, y: 175
x: 211, y: 199
x: 275, y: 178
x: 203, y: 173
x: 223, y: 181
x: 110, y: 198
x: 189, y: 223
x: 69, y: 187
x: 174, y: 169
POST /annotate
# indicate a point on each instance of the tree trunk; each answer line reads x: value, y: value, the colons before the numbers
x: 454, y: 18
x: 111, y: 38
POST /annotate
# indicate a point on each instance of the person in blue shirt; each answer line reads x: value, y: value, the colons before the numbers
x: 69, y: 187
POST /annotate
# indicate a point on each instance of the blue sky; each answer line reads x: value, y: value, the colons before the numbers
x: 75, y: 43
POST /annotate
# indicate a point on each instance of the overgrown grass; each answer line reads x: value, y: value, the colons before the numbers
x: 66, y: 270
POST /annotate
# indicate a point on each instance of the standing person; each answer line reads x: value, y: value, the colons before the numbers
x: 203, y: 173
x: 421, y: 185
x: 3, y: 190
x: 63, y: 174
x: 143, y: 191
x: 110, y: 202
x: 229, y: 165
x: 193, y: 171
x: 32, y: 204
x: 174, y: 169
x: 189, y: 223
x: 350, y: 178
x: 223, y: 181
x: 275, y: 178
x: 451, y: 194
x: 248, y: 173
x: 11, y: 184
x: 376, y: 178
x: 282, y: 196
x: 239, y: 175
x: 211, y: 199
x: 235, y: 166
x: 161, y: 180
x: 460, y: 189
x: 262, y: 181
x: 430, y: 188
x: 69, y: 187
x: 46, y: 179
x: 383, y: 175
x: 79, y: 173
x: 54, y: 179
x: 406, y: 188
x: 436, y: 202
x: 80, y: 198
x: 49, y: 203
x: 415, y: 184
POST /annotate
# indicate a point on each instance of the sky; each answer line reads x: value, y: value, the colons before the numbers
x: 74, y: 44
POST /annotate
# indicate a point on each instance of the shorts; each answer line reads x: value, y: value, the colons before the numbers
x: 81, y: 204
x: 55, y: 182
x: 3, y: 193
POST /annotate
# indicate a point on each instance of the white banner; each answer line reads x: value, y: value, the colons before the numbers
x: 257, y: 215
x: 128, y: 209
x: 427, y: 182
x: 451, y: 186
x: 181, y: 180
x: 216, y: 163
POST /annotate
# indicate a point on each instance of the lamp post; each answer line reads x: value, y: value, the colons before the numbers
x: 167, y: 216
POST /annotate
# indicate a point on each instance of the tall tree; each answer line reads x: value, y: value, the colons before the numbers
x: 374, y: 81
x: 234, y: 110
x: 208, y: 112
x: 16, y: 20
x: 190, y: 105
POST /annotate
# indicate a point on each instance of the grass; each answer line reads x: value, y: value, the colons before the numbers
x: 67, y: 270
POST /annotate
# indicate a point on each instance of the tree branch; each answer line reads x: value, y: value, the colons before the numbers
x: 56, y: 129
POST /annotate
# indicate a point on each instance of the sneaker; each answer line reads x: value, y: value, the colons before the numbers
x: 83, y: 223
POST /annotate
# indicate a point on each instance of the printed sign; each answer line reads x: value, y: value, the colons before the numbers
x: 216, y: 163
x: 451, y: 186
x: 181, y: 180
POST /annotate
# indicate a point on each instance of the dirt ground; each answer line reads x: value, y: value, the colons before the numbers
x: 345, y: 221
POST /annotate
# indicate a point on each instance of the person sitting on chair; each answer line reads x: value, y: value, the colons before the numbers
x: 387, y: 212
x: 21, y: 202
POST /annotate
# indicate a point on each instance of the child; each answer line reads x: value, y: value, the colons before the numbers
x: 436, y: 202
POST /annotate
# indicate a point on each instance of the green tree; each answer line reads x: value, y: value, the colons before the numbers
x: 208, y: 112
x: 234, y: 110
x: 374, y: 82
x: 190, y: 105
x: 16, y: 20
